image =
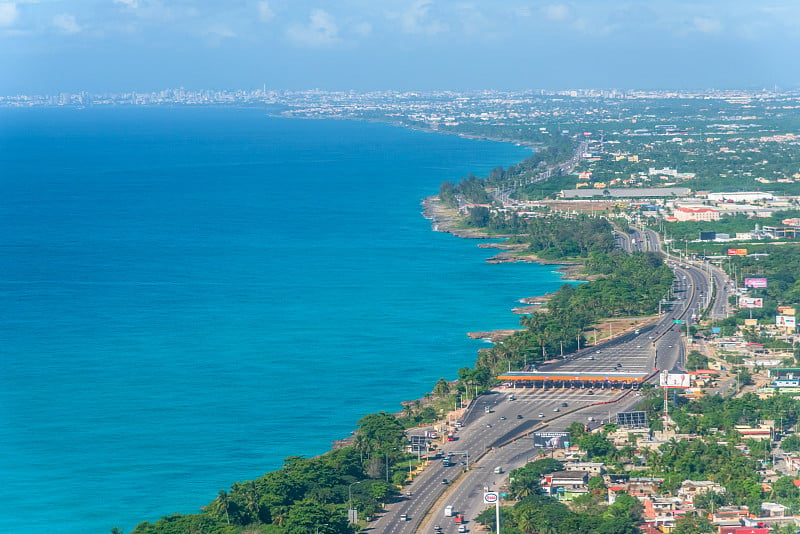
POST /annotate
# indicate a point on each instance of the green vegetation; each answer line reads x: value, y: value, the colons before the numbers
x: 537, y: 513
x: 628, y: 285
x: 470, y: 189
x: 558, y: 237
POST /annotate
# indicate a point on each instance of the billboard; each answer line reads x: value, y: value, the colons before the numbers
x: 751, y: 322
x: 755, y: 282
x: 674, y: 380
x: 632, y: 419
x: 737, y: 252
x: 551, y: 440
x: 749, y: 302
x: 786, y: 321
x: 786, y: 310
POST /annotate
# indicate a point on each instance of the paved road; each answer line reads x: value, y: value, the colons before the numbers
x: 488, y: 438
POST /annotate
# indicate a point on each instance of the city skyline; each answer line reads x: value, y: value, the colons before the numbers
x: 145, y: 45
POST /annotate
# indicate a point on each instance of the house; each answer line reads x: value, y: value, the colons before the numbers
x: 565, y: 485
x: 692, y: 488
x: 663, y: 511
x: 773, y: 509
x: 594, y: 468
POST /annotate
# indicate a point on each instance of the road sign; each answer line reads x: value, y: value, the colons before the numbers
x: 490, y: 497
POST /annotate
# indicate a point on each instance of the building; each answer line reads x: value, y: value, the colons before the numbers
x: 692, y: 488
x: 696, y: 214
x: 565, y: 485
x: 751, y: 196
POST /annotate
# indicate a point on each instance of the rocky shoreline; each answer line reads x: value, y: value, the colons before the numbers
x: 448, y: 220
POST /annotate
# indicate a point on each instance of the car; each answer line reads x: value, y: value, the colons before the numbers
x: 564, y: 404
x: 462, y: 528
x: 556, y: 409
x: 638, y: 346
x: 597, y: 352
x: 444, y: 481
x: 488, y: 425
x: 541, y: 414
x: 502, y: 417
x: 512, y: 397
x: 591, y: 357
x: 590, y: 392
x: 519, y: 416
x: 437, y: 528
x: 590, y: 418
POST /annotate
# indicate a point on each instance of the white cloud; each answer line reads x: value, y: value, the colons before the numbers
x: 67, y: 24
x: 321, y: 30
x: 417, y: 19
x: 706, y: 25
x: 133, y: 4
x: 8, y: 14
x: 221, y: 30
x: 557, y: 12
x: 265, y: 12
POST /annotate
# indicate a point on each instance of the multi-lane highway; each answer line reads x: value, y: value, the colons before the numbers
x: 497, y: 437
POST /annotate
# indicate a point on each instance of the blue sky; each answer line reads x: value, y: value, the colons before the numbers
x: 48, y: 46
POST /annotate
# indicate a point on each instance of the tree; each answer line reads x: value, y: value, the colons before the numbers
x: 692, y: 524
x: 597, y: 485
x: 379, y: 433
x: 442, y: 388
x: 791, y: 443
x: 221, y: 504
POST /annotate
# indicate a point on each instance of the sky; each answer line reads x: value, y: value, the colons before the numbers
x: 51, y: 46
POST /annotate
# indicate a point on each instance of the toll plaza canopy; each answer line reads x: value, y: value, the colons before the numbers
x: 563, y: 376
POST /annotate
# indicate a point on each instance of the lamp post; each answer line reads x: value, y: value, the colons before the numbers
x: 316, y: 530
x: 350, y: 500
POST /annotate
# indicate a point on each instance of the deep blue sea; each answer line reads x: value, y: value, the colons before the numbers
x: 188, y: 296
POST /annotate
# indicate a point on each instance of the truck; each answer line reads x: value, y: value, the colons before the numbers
x: 498, y: 470
x: 448, y: 511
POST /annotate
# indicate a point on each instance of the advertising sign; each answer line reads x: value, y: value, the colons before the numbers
x: 786, y: 321
x: 674, y: 380
x: 786, y: 310
x: 490, y: 497
x: 751, y: 322
x: 551, y: 440
x: 749, y: 302
x: 755, y: 282
x: 737, y: 252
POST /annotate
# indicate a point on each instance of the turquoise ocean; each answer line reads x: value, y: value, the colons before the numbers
x: 191, y: 295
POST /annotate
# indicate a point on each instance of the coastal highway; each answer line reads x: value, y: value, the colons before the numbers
x: 498, y: 439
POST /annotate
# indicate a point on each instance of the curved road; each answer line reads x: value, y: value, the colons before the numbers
x: 498, y: 438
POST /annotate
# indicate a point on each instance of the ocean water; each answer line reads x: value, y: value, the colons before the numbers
x: 191, y: 295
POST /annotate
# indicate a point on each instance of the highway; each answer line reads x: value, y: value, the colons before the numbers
x: 500, y: 438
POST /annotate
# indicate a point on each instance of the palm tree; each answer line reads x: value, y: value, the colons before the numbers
x: 222, y: 502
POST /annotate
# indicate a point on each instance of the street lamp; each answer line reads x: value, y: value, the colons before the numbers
x: 317, y: 527
x: 350, y: 496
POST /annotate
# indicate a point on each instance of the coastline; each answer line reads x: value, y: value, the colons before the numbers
x: 445, y: 219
